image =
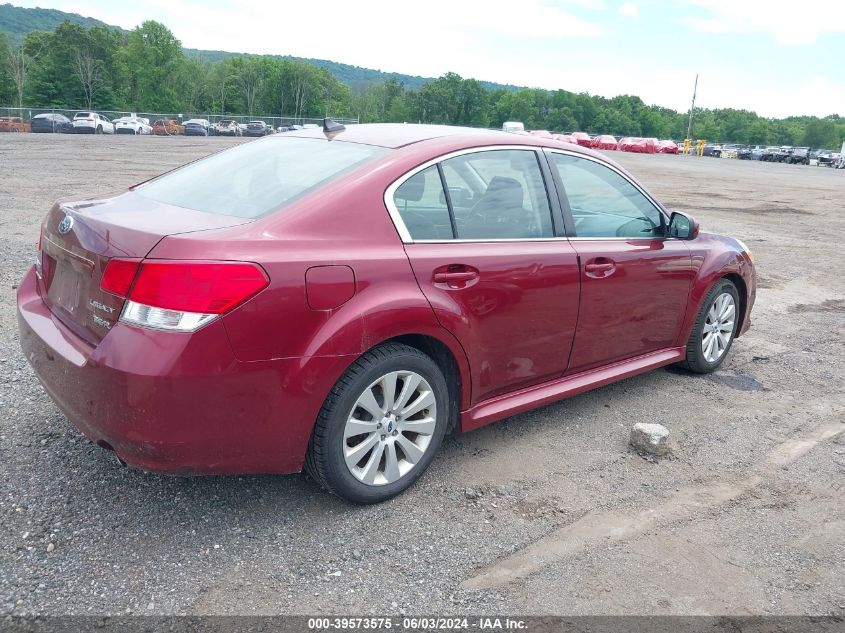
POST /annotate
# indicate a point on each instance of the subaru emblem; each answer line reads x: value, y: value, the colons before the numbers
x: 66, y: 225
x: 390, y: 427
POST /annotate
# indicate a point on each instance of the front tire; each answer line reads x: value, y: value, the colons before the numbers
x: 380, y: 426
x: 714, y: 330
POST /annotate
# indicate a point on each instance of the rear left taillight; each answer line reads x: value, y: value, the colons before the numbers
x: 181, y: 295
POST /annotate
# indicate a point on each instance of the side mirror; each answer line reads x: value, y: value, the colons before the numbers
x: 682, y: 226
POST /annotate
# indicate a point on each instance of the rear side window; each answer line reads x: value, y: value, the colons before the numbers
x: 257, y: 178
x: 422, y: 205
x: 498, y: 194
x: 493, y: 194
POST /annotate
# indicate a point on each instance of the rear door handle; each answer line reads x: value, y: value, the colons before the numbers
x: 600, y: 267
x: 463, y: 275
x: 455, y: 276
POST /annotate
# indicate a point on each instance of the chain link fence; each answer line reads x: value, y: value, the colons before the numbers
x: 26, y: 114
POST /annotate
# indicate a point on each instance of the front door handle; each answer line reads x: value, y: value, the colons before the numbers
x: 599, y: 267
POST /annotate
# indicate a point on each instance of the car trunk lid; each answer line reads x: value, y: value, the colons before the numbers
x: 79, y: 238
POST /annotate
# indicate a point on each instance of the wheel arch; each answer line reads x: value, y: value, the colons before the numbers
x: 742, y: 289
x: 441, y: 354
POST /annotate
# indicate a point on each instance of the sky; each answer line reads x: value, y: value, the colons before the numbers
x: 775, y: 57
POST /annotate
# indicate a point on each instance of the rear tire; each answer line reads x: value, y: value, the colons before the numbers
x: 714, y: 330
x: 99, y: 130
x: 390, y: 454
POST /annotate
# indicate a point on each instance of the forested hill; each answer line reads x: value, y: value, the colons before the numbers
x: 18, y: 21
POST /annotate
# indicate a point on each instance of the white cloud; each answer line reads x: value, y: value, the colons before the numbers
x: 788, y: 22
x: 629, y: 9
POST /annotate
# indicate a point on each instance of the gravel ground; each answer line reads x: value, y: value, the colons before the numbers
x: 545, y: 513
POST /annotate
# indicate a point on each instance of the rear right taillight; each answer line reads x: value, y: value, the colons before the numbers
x: 180, y: 295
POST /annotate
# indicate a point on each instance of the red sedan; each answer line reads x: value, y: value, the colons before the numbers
x: 358, y: 293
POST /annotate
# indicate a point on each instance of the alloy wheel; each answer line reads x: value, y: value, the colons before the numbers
x: 718, y: 327
x: 389, y: 428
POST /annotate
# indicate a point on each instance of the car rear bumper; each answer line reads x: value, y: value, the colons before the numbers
x: 177, y: 403
x: 190, y: 132
x: 124, y: 130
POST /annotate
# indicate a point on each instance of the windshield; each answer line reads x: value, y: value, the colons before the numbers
x: 257, y: 178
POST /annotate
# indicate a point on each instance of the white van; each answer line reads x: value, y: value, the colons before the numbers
x: 513, y: 126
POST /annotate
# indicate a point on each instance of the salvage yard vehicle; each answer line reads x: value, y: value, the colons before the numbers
x: 513, y: 126
x: 798, y: 155
x: 667, y: 147
x: 51, y: 123
x: 14, y: 124
x: 92, y: 123
x: 132, y: 125
x: 582, y: 138
x: 197, y: 127
x: 637, y: 145
x: 167, y: 127
x: 194, y: 329
x: 227, y: 127
x: 257, y: 128
x: 828, y: 158
x: 604, y: 141
x: 772, y: 154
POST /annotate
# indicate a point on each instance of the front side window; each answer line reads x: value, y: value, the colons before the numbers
x: 498, y: 194
x: 603, y: 203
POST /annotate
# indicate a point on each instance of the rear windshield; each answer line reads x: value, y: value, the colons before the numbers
x: 259, y: 177
x: 83, y: 115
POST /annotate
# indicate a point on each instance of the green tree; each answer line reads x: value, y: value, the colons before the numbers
x: 151, y: 61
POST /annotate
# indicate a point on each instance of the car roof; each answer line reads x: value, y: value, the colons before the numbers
x: 394, y: 135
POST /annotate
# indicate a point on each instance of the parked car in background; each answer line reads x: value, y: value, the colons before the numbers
x: 51, y: 123
x: 771, y: 154
x: 167, y: 127
x: 14, y: 124
x: 604, y: 141
x: 565, y: 138
x: 667, y: 147
x: 92, y: 123
x: 637, y: 145
x: 713, y: 150
x: 247, y: 330
x: 828, y: 158
x: 582, y: 138
x: 257, y: 128
x: 132, y: 125
x: 757, y: 152
x: 730, y: 150
x: 513, y: 126
x: 197, y: 127
x: 744, y: 153
x: 798, y: 156
x: 227, y: 127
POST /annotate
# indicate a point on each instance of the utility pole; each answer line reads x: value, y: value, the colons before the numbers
x: 692, y: 108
